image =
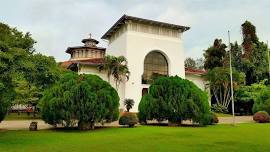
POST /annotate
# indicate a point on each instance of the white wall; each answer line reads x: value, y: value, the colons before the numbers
x: 135, y: 46
x: 200, y: 82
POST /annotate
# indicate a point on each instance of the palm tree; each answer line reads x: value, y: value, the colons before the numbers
x: 116, y: 67
x: 129, y: 103
x: 106, y: 65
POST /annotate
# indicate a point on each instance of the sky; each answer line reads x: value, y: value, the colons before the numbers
x: 58, y: 24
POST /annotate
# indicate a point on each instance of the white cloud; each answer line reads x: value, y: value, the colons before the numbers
x: 58, y: 24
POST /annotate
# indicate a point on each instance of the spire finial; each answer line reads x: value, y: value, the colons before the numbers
x: 90, y: 35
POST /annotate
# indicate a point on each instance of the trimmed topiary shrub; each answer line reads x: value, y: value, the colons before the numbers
x: 80, y: 99
x: 175, y: 99
x: 129, y: 119
x: 261, y: 117
x: 262, y: 101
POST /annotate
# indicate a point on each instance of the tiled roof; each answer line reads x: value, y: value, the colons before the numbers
x: 95, y: 62
x: 195, y: 71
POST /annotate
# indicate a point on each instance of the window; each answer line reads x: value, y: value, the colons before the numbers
x: 155, y: 64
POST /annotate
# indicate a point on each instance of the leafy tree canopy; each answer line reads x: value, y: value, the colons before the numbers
x: 19, y: 64
x: 262, y: 101
x: 249, y: 93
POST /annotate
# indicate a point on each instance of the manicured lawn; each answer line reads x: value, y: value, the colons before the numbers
x: 244, y: 137
x: 22, y: 116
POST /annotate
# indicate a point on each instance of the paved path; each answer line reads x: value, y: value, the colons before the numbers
x: 238, y: 119
x: 24, y: 124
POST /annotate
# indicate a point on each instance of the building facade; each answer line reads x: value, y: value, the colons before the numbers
x: 151, y: 48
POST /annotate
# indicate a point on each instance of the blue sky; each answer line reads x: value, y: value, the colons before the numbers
x: 58, y: 24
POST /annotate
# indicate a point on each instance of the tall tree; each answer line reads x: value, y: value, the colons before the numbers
x: 236, y: 52
x: 18, y: 61
x: 250, y: 38
x: 14, y: 49
x: 214, y: 55
x: 255, y: 55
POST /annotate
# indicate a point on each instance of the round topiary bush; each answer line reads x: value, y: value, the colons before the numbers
x: 175, y: 99
x: 261, y: 117
x: 129, y: 119
x: 80, y: 99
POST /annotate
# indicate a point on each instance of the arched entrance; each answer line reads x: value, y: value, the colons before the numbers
x: 155, y: 65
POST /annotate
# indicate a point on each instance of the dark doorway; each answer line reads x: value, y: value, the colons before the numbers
x: 144, y: 91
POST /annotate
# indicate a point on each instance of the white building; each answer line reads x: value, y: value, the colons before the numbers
x: 151, y: 48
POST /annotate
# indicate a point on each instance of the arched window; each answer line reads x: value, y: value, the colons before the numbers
x: 155, y: 64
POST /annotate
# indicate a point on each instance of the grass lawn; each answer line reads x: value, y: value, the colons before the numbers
x: 22, y: 116
x: 244, y: 137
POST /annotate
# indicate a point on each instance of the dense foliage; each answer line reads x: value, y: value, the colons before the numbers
x: 261, y: 117
x: 219, y: 83
x: 24, y: 74
x: 249, y: 58
x: 245, y: 96
x: 214, y: 55
x: 174, y: 99
x: 83, y: 98
x: 262, y: 101
x: 14, y: 47
x: 129, y: 119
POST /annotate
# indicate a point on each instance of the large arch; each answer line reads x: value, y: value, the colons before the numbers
x: 155, y: 64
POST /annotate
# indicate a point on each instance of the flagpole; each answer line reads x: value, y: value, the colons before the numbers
x: 231, y: 77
